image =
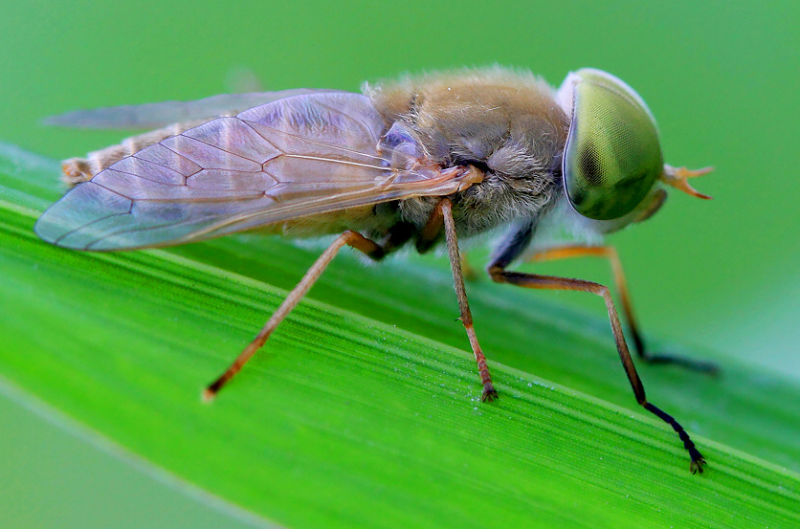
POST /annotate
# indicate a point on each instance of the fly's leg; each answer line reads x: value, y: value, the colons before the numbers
x: 566, y: 252
x: 499, y: 274
x: 348, y: 238
x: 432, y: 230
x: 443, y: 214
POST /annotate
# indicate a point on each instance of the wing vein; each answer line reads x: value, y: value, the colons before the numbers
x: 364, y: 129
x: 83, y: 226
x: 142, y: 176
x: 260, y: 135
x: 313, y: 142
x: 184, y: 157
x: 218, y: 147
x: 338, y: 161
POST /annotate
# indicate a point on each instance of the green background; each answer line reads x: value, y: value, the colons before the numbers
x: 721, y: 78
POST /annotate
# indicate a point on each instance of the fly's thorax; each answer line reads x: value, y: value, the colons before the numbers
x: 494, y: 116
x: 508, y: 124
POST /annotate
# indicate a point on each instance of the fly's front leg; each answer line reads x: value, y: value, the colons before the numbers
x: 348, y: 238
x: 443, y: 214
x: 608, y: 252
x: 499, y: 274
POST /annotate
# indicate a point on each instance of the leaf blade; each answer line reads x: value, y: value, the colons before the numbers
x: 381, y: 424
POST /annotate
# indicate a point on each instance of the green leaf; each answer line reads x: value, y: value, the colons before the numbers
x: 363, y: 410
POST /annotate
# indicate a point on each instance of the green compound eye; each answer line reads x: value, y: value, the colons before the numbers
x: 612, y: 157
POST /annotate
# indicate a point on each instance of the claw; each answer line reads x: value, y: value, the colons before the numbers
x: 489, y: 393
x: 676, y: 177
x: 697, y: 466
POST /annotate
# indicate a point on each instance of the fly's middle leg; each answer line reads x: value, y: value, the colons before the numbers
x: 499, y: 274
x: 608, y: 252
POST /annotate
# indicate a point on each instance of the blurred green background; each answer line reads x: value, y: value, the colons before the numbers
x: 722, y: 79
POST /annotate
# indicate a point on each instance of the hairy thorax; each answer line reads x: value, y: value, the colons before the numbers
x: 505, y: 123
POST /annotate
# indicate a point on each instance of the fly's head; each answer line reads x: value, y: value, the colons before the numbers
x: 612, y: 164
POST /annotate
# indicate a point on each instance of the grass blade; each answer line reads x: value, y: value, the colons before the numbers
x: 346, y: 420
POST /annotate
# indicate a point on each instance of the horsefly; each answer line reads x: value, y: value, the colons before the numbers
x: 420, y: 161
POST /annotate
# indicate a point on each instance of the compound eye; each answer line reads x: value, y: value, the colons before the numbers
x: 612, y: 157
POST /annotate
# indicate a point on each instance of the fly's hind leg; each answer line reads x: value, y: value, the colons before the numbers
x: 348, y: 238
x: 608, y: 252
x: 499, y: 274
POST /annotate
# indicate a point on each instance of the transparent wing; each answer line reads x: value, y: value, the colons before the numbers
x: 157, y: 115
x: 291, y: 158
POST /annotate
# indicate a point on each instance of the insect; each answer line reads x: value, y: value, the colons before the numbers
x: 419, y: 161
